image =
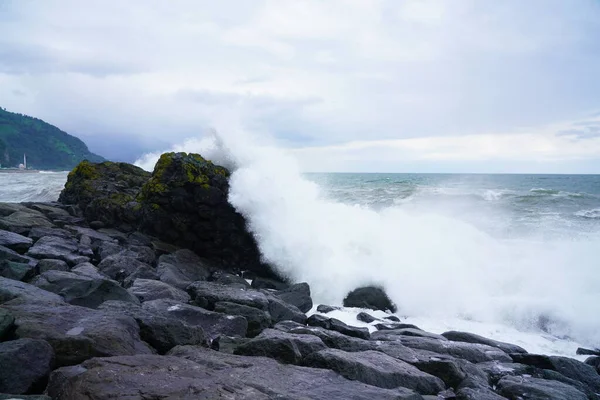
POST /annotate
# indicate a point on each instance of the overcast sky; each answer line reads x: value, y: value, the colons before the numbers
x: 348, y: 85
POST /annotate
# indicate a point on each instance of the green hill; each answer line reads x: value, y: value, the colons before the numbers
x: 46, y: 146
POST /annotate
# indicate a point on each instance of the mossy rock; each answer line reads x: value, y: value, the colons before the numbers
x: 105, y: 191
x: 185, y: 203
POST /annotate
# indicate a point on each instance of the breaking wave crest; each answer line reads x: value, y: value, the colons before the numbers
x: 431, y: 265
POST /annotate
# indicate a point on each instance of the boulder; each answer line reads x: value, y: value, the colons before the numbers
x: 61, y: 249
x: 258, y: 320
x: 198, y: 373
x: 371, y: 297
x: 147, y: 289
x: 568, y: 367
x: 471, y: 352
x: 22, y: 222
x: 26, y: 364
x: 332, y: 339
x: 7, y: 322
x: 48, y: 264
x: 82, y: 290
x: 285, y: 347
x: 39, y: 232
x: 260, y: 282
x: 477, y: 394
x: 181, y: 268
x: 15, y: 241
x: 206, y: 294
x: 185, y: 202
x: 594, y: 362
x: 227, y: 279
x: 587, y: 352
x: 120, y: 266
x: 282, y: 311
x: 214, y: 324
x: 11, y: 289
x: 390, y: 326
x: 160, y: 330
x: 391, y: 334
x: 76, y: 333
x: 325, y: 309
x: 17, y: 271
x: 106, y: 192
x: 144, y: 271
x: 11, y: 255
x: 297, y: 295
x: 366, y: 318
x: 89, y: 270
x: 473, y: 338
x: 24, y: 397
x: 520, y: 387
x: 375, y: 368
x: 338, y: 326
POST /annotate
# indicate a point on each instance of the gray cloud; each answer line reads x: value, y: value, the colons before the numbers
x: 311, y: 73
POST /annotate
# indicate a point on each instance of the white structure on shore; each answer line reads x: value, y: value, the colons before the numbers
x: 24, y: 165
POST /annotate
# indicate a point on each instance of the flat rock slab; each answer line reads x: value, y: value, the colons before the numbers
x: 26, y: 364
x: 213, y: 323
x: 338, y: 326
x: 11, y: 289
x: 77, y: 333
x: 60, y: 248
x: 258, y: 320
x: 22, y: 222
x: 82, y: 290
x: 519, y: 387
x: 473, y: 338
x: 169, y: 377
x: 160, y: 330
x: 206, y: 294
x: 332, y: 339
x: 298, y: 295
x: 148, y: 289
x: 15, y: 241
x: 181, y: 268
x: 377, y: 369
x: 288, y: 348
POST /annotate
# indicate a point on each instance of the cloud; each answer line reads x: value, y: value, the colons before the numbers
x: 310, y: 73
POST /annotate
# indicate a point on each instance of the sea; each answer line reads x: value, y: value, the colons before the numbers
x: 511, y: 257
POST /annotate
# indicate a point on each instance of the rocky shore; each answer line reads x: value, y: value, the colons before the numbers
x: 148, y: 286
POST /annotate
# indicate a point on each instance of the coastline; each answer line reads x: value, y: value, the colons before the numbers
x: 102, y: 292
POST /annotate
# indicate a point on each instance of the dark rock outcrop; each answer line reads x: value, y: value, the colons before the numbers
x: 149, y: 289
x: 185, y: 202
x: 297, y: 295
x: 371, y: 297
x: 15, y: 241
x: 258, y: 320
x: 288, y: 348
x: 338, y: 326
x: 473, y: 338
x: 520, y: 387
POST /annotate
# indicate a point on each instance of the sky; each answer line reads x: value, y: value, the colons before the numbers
x: 344, y: 85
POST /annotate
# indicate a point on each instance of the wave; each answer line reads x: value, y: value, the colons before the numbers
x: 591, y: 214
x: 431, y: 265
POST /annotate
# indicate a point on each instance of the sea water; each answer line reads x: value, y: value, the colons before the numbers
x: 511, y: 257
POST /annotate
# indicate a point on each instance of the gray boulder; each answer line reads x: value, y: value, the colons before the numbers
x: 520, y: 387
x: 283, y: 311
x: 76, y: 333
x: 160, y: 330
x: 298, y: 295
x: 15, y: 241
x: 331, y: 338
x: 48, y: 264
x: 473, y: 338
x: 338, y: 326
x: 206, y: 294
x: 37, y: 233
x: 120, y: 266
x: 258, y: 320
x: 288, y: 348
x: 17, y: 271
x: 214, y: 324
x: 181, y: 268
x: 82, y: 290
x: 7, y: 322
x: 61, y: 249
x: 26, y: 364
x: 11, y: 289
x: 377, y: 369
x: 371, y: 297
x: 21, y: 222
x: 148, y: 289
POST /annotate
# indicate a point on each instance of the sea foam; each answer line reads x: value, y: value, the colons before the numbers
x: 432, y: 266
